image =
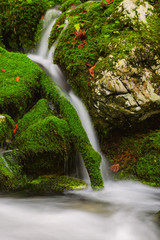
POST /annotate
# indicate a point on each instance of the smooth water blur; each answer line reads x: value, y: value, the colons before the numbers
x: 121, y: 211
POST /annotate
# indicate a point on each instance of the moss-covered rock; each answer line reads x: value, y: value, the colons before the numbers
x: 110, y: 54
x: 6, y: 129
x: 11, y: 177
x: 19, y: 83
x: 20, y: 21
x: 91, y: 158
x: 137, y: 155
x: 43, y: 141
x: 52, y: 183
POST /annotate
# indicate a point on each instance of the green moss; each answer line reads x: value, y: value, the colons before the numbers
x: 6, y: 128
x: 138, y: 157
x: 56, y: 30
x: 11, y: 177
x: 91, y: 158
x: 17, y: 96
x: 77, y: 52
x: 19, y: 21
x: 68, y: 3
x: 54, y: 183
x: 43, y: 141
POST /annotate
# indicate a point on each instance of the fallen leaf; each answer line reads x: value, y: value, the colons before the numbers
x: 84, y: 11
x: 42, y: 17
x: 115, y: 167
x: 89, y: 65
x: 81, y: 45
x: 74, y: 42
x: 3, y: 70
x: 85, y: 42
x: 80, y: 34
x: 73, y: 6
x: 109, y: 1
x: 17, y: 79
x: 15, y: 129
x: 57, y: 24
x: 91, y: 71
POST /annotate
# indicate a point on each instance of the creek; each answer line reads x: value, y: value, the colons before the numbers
x: 123, y: 210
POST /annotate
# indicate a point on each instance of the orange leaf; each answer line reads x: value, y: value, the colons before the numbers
x: 15, y: 129
x: 80, y: 34
x: 42, y: 17
x: 17, y: 79
x: 89, y: 65
x: 91, y: 71
x: 3, y: 70
x: 80, y: 46
x: 109, y: 1
x: 74, y: 42
x: 115, y: 167
x: 85, y: 42
x: 57, y: 24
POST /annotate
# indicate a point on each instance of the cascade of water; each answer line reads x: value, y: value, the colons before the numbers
x: 45, y: 59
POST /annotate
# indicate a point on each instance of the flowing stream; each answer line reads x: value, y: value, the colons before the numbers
x: 123, y: 210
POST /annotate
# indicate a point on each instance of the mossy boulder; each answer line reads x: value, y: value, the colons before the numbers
x: 20, y: 20
x: 91, y: 158
x: 137, y: 156
x: 11, y: 176
x: 48, y: 184
x: 43, y: 141
x: 19, y: 83
x: 110, y: 54
x: 6, y: 129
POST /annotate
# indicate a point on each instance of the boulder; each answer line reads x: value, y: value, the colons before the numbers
x: 110, y: 54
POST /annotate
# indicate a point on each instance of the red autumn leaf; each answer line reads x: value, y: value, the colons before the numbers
x: 74, y: 42
x: 42, y: 17
x: 109, y: 1
x: 3, y: 70
x: 72, y: 33
x: 81, y: 45
x: 91, y: 71
x: 17, y: 79
x: 80, y: 34
x: 89, y: 65
x: 115, y: 167
x: 84, y: 11
x: 85, y: 42
x: 88, y: 84
x: 73, y: 6
x: 57, y: 24
x: 15, y: 129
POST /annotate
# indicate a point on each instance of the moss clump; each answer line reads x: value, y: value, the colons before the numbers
x: 54, y: 183
x: 67, y: 4
x: 19, y: 87
x: 137, y: 156
x: 56, y: 30
x: 6, y: 128
x: 11, y: 177
x: 43, y: 141
x: 19, y: 21
x: 91, y: 158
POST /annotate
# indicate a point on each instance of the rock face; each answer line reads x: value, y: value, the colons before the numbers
x: 127, y: 93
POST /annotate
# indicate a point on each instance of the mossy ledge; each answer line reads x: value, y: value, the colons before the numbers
x: 91, y: 158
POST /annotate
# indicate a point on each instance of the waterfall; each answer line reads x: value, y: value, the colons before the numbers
x: 44, y: 58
